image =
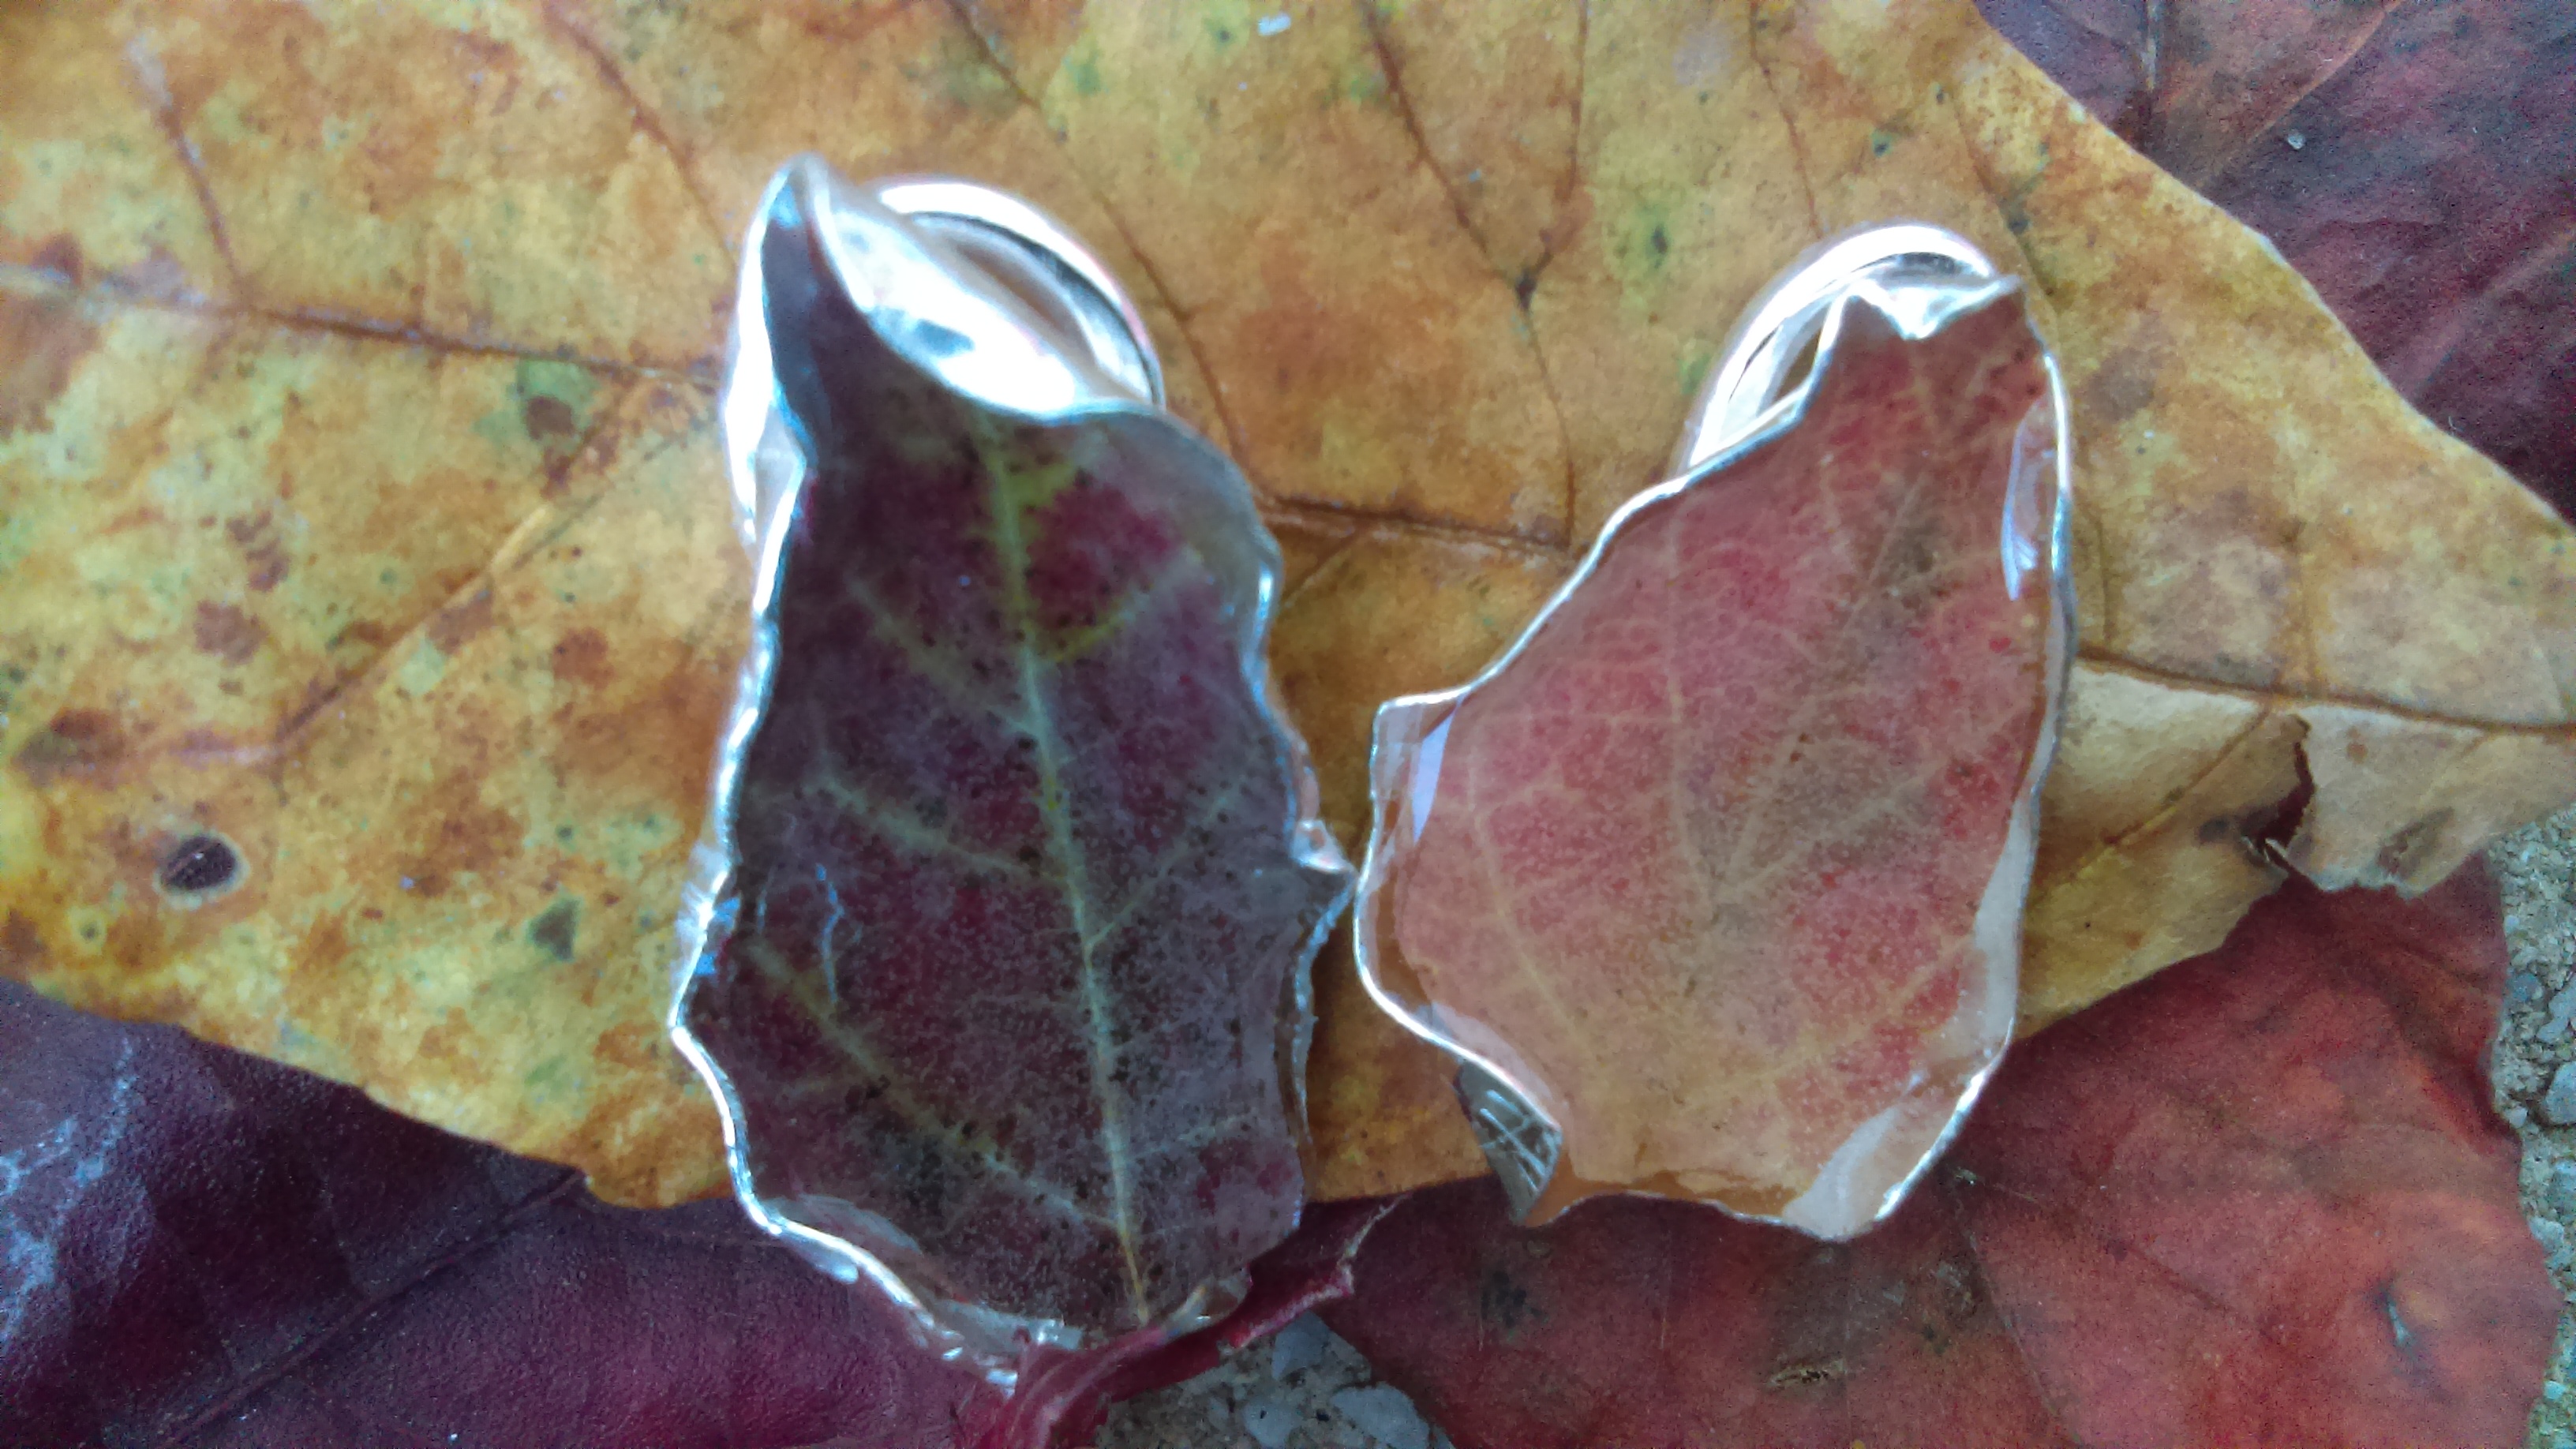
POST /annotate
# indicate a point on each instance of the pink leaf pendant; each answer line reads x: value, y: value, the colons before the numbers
x: 1714, y: 881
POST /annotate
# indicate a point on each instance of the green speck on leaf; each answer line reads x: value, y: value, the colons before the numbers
x: 547, y: 1074
x: 1641, y: 243
x: 2015, y: 202
x: 970, y: 79
x: 1082, y: 68
x: 1696, y: 359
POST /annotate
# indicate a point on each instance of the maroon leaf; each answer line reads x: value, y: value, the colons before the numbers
x: 1061, y: 1398
x: 202, y: 1248
x: 2416, y: 159
x: 2258, y: 1199
x: 1011, y: 981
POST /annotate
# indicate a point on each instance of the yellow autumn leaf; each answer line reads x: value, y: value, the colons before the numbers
x: 363, y: 511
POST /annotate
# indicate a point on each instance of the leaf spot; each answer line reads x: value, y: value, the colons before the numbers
x: 552, y: 931
x: 1807, y: 1375
x: 548, y: 417
x: 200, y: 865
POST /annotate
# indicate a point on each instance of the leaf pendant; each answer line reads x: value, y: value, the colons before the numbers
x: 996, y: 956
x: 1713, y: 882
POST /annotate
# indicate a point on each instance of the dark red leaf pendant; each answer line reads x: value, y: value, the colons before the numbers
x: 997, y: 955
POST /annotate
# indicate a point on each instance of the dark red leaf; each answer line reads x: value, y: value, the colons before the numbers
x: 1062, y: 1397
x: 1020, y: 918
x: 203, y: 1248
x: 2416, y: 159
x: 2258, y: 1199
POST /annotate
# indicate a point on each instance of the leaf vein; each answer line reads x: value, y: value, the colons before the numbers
x: 1056, y: 806
x: 897, y: 1093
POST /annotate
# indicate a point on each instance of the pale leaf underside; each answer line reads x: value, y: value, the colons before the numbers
x: 1708, y: 855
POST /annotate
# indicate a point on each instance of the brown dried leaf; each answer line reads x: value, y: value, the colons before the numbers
x: 362, y: 504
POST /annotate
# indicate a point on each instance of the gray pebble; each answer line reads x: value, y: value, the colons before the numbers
x: 2558, y: 1105
x: 1299, y: 1346
x: 2553, y: 1243
x: 2561, y: 1008
x: 1269, y: 1421
x: 1382, y: 1412
x: 2522, y: 989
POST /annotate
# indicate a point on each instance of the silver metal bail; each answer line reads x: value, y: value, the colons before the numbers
x: 1917, y: 274
x: 1036, y: 260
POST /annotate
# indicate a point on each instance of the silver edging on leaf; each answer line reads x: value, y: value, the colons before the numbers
x: 998, y: 302
x: 1918, y: 277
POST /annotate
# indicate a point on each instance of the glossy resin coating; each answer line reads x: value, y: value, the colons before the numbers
x: 1002, y: 928
x: 1714, y: 882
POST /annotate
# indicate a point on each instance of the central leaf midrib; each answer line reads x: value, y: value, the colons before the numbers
x: 1011, y: 545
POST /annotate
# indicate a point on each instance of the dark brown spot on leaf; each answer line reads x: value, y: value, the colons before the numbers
x: 261, y: 550
x: 451, y: 1040
x: 452, y: 626
x: 22, y: 949
x: 2126, y: 380
x: 365, y: 632
x: 1502, y: 1301
x: 199, y: 864
x: 61, y: 255
x: 83, y: 742
x: 267, y: 566
x: 228, y: 633
x: 469, y: 835
x: 548, y: 418
x: 2405, y: 851
x: 581, y: 657
x: 42, y: 339
x: 553, y: 931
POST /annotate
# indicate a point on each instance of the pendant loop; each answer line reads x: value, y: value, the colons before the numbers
x: 1033, y: 258
x: 1919, y: 275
